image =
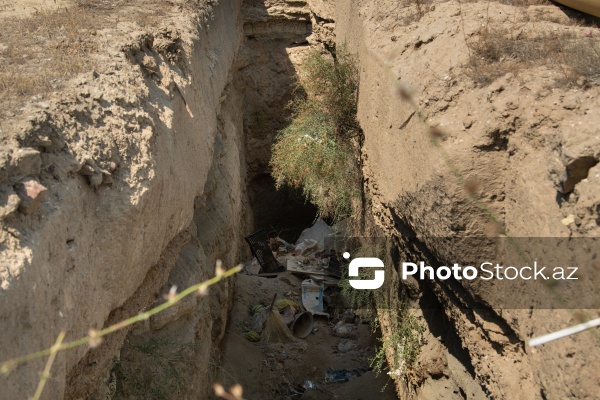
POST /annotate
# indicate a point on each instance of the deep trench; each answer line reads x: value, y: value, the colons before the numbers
x: 261, y: 86
x: 181, y: 353
x: 284, y: 212
x: 149, y: 360
x: 267, y: 82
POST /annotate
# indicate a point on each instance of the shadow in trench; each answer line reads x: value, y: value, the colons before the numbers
x: 441, y: 327
x: 284, y: 211
x: 274, y: 47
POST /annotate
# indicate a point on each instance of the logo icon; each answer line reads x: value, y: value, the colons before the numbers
x: 365, y: 262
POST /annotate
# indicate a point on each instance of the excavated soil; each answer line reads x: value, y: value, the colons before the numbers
x: 135, y: 140
x: 512, y: 132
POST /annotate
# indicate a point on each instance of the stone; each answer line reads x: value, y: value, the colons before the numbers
x: 568, y: 220
x: 9, y: 202
x: 31, y: 194
x: 96, y: 179
x: 96, y: 94
x: 149, y: 65
x: 87, y: 170
x: 106, y: 178
x: 73, y: 165
x: 24, y: 162
x: 322, y: 9
x: 570, y: 103
x: 344, y: 330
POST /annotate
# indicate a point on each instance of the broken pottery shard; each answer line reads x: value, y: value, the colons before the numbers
x: 31, y: 193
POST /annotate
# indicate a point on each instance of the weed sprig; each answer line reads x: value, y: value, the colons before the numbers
x: 94, y: 337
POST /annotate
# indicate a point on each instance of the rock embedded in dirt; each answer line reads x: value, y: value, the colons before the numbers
x: 9, y: 202
x: 344, y: 330
x: 96, y: 179
x: 86, y: 170
x: 149, y: 64
x: 24, y: 162
x: 348, y: 316
x: 31, y: 193
x: 322, y: 9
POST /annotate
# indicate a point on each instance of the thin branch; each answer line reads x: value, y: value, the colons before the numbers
x: 93, y: 337
x: 46, y: 374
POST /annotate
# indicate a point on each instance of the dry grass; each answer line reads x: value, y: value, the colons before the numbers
x: 408, y: 11
x: 39, y: 53
x: 583, y: 59
x: 43, y: 50
x: 526, y: 3
x: 500, y: 50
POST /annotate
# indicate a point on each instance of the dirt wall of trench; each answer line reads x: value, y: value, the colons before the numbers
x: 143, y: 161
x: 506, y: 143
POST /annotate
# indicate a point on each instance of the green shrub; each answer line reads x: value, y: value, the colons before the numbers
x: 331, y: 85
x: 357, y: 298
x: 400, y: 344
x: 315, y: 152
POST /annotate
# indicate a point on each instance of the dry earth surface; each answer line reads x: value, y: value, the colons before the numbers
x: 134, y: 146
x: 515, y: 118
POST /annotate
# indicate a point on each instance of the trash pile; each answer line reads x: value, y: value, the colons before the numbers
x: 283, y: 321
x: 308, y: 317
x: 313, y: 257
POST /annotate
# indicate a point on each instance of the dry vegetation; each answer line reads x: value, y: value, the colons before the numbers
x: 95, y: 337
x: 409, y: 11
x: 520, y: 37
x: 499, y: 50
x: 523, y: 3
x: 43, y: 50
x: 40, y: 52
x: 315, y: 152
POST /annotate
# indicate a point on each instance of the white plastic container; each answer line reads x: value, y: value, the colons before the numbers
x: 312, y: 296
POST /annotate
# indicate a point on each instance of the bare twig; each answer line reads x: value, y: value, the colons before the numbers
x: 462, y: 22
x: 94, y: 337
x: 46, y: 374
